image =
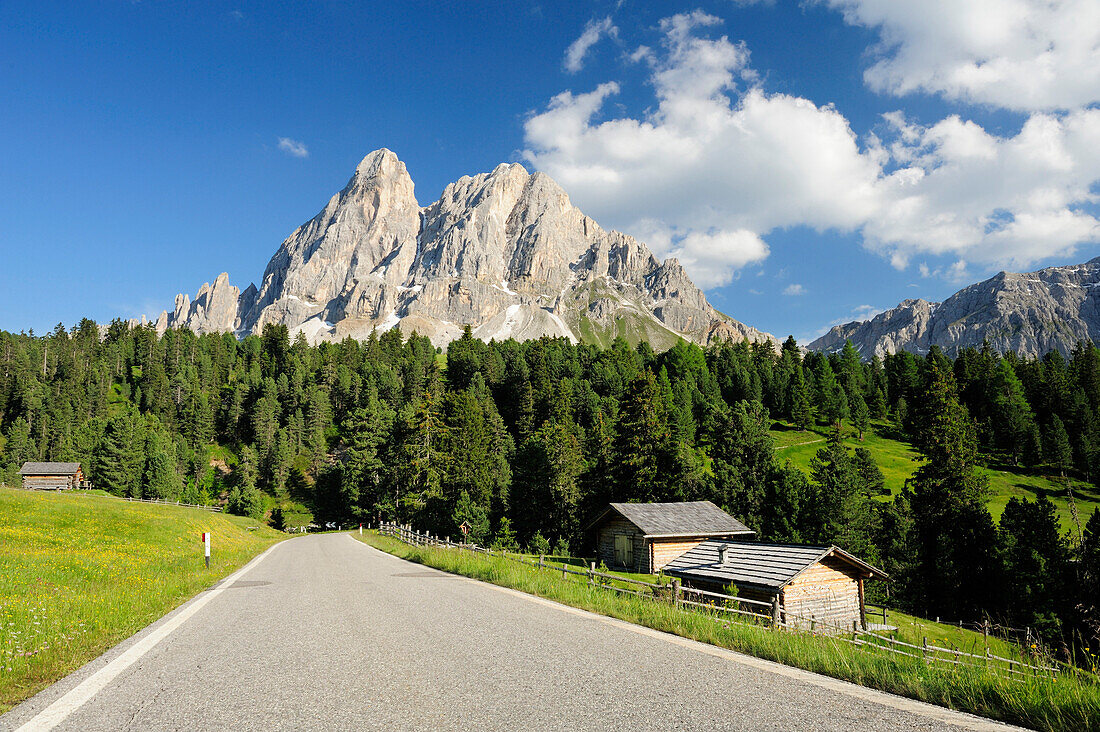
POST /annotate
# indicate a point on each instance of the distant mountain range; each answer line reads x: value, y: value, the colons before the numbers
x: 504, y: 252
x: 1030, y: 313
x: 508, y: 254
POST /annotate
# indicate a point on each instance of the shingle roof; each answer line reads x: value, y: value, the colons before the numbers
x: 767, y: 566
x: 49, y: 468
x: 686, y: 518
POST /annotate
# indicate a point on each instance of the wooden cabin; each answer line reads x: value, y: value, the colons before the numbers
x: 52, y: 476
x: 819, y: 587
x: 644, y: 537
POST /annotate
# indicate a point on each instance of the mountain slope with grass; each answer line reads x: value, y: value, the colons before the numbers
x: 898, y: 461
x: 83, y: 572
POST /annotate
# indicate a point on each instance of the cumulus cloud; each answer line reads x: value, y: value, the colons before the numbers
x: 1008, y: 201
x: 593, y: 31
x: 717, y: 163
x: 794, y: 289
x: 293, y: 147
x: 1028, y: 55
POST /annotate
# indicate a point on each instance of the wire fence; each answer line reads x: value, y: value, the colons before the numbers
x: 744, y: 611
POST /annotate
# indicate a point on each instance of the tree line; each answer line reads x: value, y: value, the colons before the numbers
x: 524, y: 441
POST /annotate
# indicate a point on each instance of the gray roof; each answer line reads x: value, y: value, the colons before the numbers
x: 686, y: 518
x: 766, y: 566
x: 49, y: 468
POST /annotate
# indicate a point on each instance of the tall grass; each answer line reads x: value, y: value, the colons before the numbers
x: 79, y: 573
x: 1067, y: 702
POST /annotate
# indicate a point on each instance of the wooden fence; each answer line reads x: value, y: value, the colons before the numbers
x: 732, y: 609
x: 158, y: 501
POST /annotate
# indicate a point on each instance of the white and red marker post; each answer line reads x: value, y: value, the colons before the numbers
x: 206, y: 543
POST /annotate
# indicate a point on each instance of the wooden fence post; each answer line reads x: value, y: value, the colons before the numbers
x: 775, y: 611
x: 542, y: 557
x: 592, y: 574
x: 675, y: 591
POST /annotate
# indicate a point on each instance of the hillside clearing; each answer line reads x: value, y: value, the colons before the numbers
x: 83, y: 572
x: 898, y: 461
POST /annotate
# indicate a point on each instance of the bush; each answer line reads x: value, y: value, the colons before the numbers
x: 539, y: 545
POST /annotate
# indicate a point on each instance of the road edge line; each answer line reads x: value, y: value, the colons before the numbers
x: 58, y: 711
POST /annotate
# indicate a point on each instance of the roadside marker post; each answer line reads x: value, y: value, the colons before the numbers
x: 206, y: 542
x: 360, y: 529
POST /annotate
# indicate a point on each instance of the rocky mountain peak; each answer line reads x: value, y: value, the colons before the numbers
x: 1029, y: 313
x: 505, y: 252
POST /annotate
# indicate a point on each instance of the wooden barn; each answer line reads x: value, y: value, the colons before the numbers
x: 52, y: 476
x: 818, y: 586
x: 644, y: 537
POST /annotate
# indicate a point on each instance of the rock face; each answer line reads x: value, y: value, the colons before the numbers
x: 1030, y: 313
x: 504, y: 252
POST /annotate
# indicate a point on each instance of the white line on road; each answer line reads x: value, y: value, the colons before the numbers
x: 901, y: 703
x: 81, y: 694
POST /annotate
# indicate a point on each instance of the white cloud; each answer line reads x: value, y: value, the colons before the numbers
x: 793, y: 290
x: 718, y: 163
x: 593, y: 31
x: 293, y: 147
x: 1029, y: 55
x: 1008, y: 201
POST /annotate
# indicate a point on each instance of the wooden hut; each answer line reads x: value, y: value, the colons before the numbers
x: 815, y: 586
x: 52, y: 476
x: 644, y: 537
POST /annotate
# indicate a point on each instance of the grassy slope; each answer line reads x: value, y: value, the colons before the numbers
x: 83, y: 572
x: 1068, y: 703
x: 898, y: 461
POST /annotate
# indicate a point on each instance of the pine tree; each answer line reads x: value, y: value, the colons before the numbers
x: 954, y: 535
x: 1056, y: 448
x: 1036, y: 565
x: 843, y: 503
x: 367, y: 431
x: 118, y: 459
x: 159, y: 477
x: 643, y: 435
x: 861, y: 415
x: 744, y: 462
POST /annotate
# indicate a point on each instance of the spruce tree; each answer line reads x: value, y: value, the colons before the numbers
x: 954, y: 535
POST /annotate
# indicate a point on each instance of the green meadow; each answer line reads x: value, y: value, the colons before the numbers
x: 83, y: 572
x: 898, y: 460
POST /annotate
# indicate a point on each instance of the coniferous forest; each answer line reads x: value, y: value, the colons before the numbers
x: 524, y: 441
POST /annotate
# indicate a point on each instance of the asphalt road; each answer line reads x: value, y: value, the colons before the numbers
x: 324, y: 633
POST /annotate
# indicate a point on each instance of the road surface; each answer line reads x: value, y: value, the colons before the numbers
x: 324, y: 632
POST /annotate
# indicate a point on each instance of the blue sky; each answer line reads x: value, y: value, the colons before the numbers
x: 809, y: 162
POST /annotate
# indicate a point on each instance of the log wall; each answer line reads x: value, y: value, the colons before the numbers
x: 665, y: 550
x: 605, y: 545
x: 828, y: 592
x: 48, y: 482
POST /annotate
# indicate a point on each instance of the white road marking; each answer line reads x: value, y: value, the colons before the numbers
x: 83, y: 692
x: 901, y: 703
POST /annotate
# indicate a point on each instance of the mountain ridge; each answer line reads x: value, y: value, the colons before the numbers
x: 504, y: 252
x: 1029, y: 313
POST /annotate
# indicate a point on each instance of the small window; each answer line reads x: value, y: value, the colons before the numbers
x: 624, y: 551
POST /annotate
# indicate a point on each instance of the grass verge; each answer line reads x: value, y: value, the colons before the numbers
x: 81, y: 573
x: 1065, y: 703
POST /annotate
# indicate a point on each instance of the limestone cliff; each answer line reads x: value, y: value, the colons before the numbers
x: 505, y: 252
x: 1030, y: 313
